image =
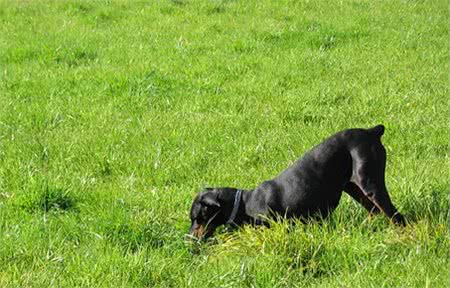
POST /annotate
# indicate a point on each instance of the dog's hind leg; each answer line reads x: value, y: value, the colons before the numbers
x: 353, y: 190
x: 369, y: 162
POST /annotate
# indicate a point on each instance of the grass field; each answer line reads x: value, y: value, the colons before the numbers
x: 114, y: 114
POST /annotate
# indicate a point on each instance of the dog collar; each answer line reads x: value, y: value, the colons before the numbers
x: 237, y: 201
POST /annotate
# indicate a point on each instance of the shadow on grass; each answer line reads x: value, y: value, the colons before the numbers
x: 432, y: 206
x: 51, y: 199
x: 55, y: 199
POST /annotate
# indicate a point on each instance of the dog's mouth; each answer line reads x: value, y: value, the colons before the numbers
x: 199, y: 232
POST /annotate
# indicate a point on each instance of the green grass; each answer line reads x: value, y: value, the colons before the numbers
x: 114, y: 114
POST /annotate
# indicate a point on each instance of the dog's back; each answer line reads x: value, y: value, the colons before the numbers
x: 315, y: 182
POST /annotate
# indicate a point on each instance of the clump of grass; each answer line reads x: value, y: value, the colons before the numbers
x: 292, y: 243
x: 55, y: 199
x: 49, y: 199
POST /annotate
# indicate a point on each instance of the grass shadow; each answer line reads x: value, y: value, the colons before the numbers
x: 51, y: 199
x: 432, y: 206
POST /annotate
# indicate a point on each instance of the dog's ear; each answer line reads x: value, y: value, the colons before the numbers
x: 210, y: 199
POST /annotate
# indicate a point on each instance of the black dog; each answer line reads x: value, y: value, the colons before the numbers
x: 352, y: 160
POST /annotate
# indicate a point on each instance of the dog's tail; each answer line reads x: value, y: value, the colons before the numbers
x: 377, y: 131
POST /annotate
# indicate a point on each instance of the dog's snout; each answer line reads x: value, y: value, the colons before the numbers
x: 196, y: 231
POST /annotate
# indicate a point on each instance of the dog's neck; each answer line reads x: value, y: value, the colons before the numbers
x: 240, y: 216
x: 236, y: 205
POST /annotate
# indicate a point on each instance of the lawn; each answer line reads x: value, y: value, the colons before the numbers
x: 114, y: 114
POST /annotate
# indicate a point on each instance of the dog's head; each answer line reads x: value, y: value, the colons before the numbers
x: 210, y: 209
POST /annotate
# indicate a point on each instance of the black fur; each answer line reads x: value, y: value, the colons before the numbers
x: 352, y: 160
